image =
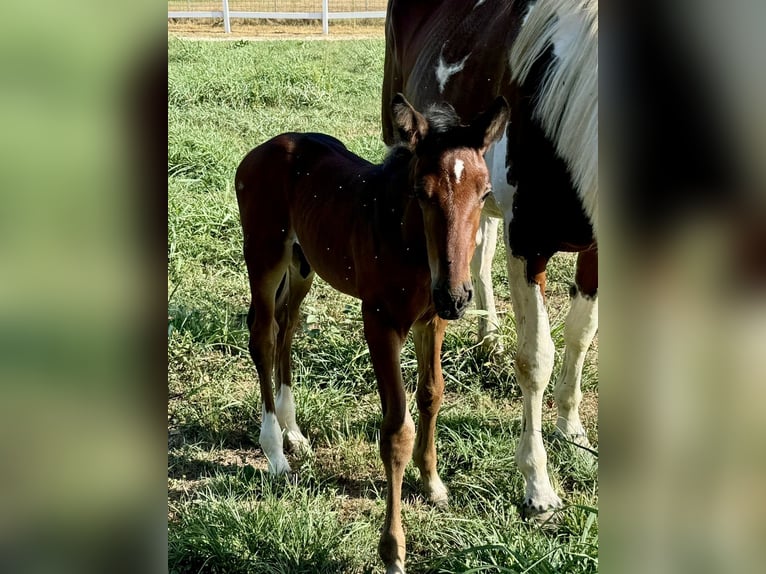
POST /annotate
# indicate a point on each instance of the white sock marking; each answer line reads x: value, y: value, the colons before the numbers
x: 285, y: 407
x: 534, y: 363
x: 271, y: 443
x: 579, y: 329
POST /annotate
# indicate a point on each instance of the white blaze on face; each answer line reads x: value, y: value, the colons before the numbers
x: 459, y: 165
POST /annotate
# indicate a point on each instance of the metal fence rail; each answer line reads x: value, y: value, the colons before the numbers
x: 321, y: 11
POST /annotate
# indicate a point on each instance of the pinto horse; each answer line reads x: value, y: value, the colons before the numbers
x: 399, y: 236
x: 542, y: 56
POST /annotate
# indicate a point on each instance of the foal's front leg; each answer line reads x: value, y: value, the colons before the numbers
x: 429, y: 336
x: 397, y: 431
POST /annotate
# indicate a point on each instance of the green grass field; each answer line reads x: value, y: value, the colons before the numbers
x: 225, y: 514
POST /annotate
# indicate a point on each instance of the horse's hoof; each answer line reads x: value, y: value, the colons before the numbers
x: 492, y: 347
x: 577, y: 439
x: 395, y: 569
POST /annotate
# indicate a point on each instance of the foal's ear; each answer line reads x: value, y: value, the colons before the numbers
x: 410, y: 123
x: 490, y: 124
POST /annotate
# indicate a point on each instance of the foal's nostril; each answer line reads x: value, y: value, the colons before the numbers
x: 469, y: 295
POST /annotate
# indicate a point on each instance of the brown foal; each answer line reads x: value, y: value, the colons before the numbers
x: 399, y: 236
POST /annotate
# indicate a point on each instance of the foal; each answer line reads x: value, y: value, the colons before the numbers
x: 399, y: 236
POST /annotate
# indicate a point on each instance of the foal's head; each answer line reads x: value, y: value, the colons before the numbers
x: 450, y: 180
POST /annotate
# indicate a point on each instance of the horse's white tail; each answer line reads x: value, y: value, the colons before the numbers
x: 567, y: 101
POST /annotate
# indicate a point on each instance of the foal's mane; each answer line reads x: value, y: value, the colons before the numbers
x: 567, y: 99
x: 444, y: 131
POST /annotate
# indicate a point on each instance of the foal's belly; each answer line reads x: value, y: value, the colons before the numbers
x: 383, y: 279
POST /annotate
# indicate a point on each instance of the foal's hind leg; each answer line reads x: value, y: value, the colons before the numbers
x: 266, y: 265
x: 296, y: 286
x: 429, y: 336
x: 580, y: 327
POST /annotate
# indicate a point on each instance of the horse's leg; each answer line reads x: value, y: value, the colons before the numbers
x: 397, y: 433
x: 297, y: 284
x: 533, y: 366
x: 266, y: 265
x: 580, y: 327
x: 481, y: 272
x: 429, y: 336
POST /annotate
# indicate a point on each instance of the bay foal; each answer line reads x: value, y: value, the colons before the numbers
x: 399, y: 236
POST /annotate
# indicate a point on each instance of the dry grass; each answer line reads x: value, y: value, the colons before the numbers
x: 273, y: 29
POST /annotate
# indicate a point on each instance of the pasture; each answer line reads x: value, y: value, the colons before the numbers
x: 225, y: 514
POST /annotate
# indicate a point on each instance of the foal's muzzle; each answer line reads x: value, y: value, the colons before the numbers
x: 452, y: 303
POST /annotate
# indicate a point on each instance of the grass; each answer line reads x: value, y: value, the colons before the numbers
x: 225, y: 513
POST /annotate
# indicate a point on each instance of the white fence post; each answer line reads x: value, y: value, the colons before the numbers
x: 325, y: 18
x: 226, y: 21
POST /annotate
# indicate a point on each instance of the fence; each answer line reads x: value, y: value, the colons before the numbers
x: 282, y: 10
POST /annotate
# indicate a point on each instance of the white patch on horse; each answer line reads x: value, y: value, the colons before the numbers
x: 240, y: 185
x: 567, y: 97
x: 285, y: 407
x: 271, y: 443
x: 579, y: 329
x: 566, y: 34
x: 459, y: 165
x: 444, y: 71
x: 502, y: 191
x: 533, y: 366
x: 479, y: 3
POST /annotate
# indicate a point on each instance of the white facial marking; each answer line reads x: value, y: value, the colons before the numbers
x: 479, y: 3
x: 444, y: 71
x: 459, y: 165
x: 240, y: 186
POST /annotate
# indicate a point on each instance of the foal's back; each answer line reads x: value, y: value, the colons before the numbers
x: 353, y: 220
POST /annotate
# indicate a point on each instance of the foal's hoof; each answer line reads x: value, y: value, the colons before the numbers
x: 439, y: 502
x: 279, y: 466
x: 298, y: 443
x: 437, y: 493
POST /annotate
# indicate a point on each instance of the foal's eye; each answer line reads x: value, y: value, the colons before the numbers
x: 486, y: 194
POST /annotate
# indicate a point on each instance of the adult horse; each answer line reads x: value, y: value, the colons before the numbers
x: 543, y: 57
x: 399, y: 236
